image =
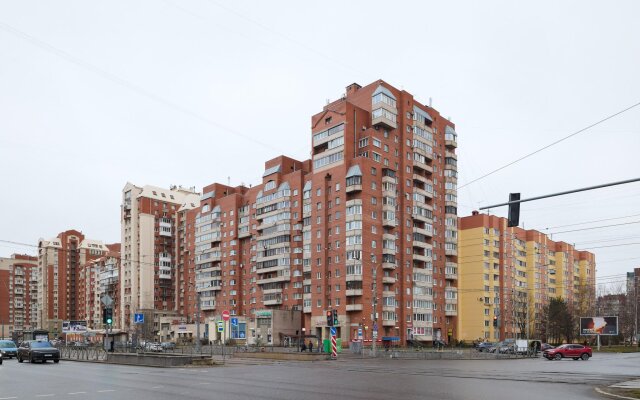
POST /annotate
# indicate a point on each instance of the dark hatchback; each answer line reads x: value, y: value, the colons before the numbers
x: 37, y: 350
x: 8, y: 349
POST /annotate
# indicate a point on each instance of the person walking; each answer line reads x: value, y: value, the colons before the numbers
x: 310, y: 346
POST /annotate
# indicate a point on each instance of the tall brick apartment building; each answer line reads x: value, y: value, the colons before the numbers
x: 18, y: 289
x: 60, y: 293
x: 147, y: 273
x: 378, y: 198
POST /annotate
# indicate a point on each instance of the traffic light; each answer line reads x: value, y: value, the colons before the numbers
x: 514, y: 210
x: 329, y: 318
x: 107, y: 316
x: 335, y: 318
x: 495, y: 321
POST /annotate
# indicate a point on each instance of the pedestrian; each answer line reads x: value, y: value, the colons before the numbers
x: 303, y: 347
x: 310, y: 346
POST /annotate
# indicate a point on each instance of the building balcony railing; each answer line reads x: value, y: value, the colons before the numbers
x: 353, y: 292
x: 354, y: 307
x: 306, y: 309
x: 451, y: 313
x: 388, y: 322
x: 388, y: 265
x: 389, y: 279
x: 283, y: 278
x: 273, y: 302
x: 350, y: 278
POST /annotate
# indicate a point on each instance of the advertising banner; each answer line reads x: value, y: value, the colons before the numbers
x: 74, y: 326
x: 599, y: 326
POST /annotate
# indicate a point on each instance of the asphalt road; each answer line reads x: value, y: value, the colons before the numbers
x: 323, y: 380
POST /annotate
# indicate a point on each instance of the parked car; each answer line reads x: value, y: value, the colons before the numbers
x: 168, y: 345
x: 546, y: 346
x: 484, y: 346
x: 34, y: 350
x: 8, y: 349
x: 575, y: 351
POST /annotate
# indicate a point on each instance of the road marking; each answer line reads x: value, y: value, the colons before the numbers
x: 105, y: 391
x: 45, y: 395
x: 77, y: 393
x: 156, y: 387
x: 7, y: 398
x: 204, y: 383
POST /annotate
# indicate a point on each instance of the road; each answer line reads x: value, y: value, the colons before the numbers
x: 323, y: 380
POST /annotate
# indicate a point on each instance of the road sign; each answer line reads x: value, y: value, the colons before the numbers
x: 220, y: 326
x: 138, y: 318
x: 375, y: 326
x: 333, y: 331
x: 106, y: 300
x: 375, y: 334
x: 360, y: 333
x: 225, y: 315
x: 234, y: 321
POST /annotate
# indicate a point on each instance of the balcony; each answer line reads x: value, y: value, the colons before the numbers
x: 450, y: 137
x: 421, y: 244
x: 451, y: 313
x: 451, y: 251
x: 351, y: 278
x: 282, y: 278
x: 388, y: 322
x: 389, y: 266
x: 354, y: 307
x: 273, y: 302
x: 391, y: 223
x: 383, y: 117
x: 353, y: 292
x: 306, y: 309
x: 389, y: 279
x: 272, y: 291
x: 423, y: 231
x: 420, y: 257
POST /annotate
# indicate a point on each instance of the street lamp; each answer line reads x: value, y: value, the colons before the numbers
x: 301, y: 341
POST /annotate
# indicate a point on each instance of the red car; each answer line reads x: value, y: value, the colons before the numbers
x: 575, y: 351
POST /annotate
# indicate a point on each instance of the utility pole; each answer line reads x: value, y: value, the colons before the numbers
x: 635, y: 289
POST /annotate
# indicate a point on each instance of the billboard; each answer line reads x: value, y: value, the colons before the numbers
x: 599, y: 326
x: 74, y: 326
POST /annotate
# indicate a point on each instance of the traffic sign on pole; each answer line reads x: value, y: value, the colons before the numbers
x: 234, y: 321
x: 225, y: 315
x: 138, y: 318
x: 220, y: 326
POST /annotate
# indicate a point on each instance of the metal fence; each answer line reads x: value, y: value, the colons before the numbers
x: 83, y: 353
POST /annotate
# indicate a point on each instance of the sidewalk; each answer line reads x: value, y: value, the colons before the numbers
x: 622, y: 390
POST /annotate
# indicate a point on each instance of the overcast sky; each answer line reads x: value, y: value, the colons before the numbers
x: 95, y: 94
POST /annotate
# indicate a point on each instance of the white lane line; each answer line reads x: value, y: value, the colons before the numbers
x: 77, y: 393
x: 156, y: 387
x: 204, y: 383
x: 8, y: 398
x: 105, y: 391
x: 45, y: 395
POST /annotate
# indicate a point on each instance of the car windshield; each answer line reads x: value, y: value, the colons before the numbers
x: 36, y: 345
x: 7, y: 345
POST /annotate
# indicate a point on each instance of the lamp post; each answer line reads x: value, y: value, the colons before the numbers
x: 301, y: 341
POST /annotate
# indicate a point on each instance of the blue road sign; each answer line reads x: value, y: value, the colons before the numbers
x: 138, y: 318
x: 220, y: 326
x: 333, y: 331
x: 234, y: 321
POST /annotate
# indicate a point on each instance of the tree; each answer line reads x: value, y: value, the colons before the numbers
x: 560, y: 323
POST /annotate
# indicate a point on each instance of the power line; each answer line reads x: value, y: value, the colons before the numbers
x: 551, y: 144
x: 126, y: 84
x: 590, y: 222
x: 595, y: 227
x: 614, y: 245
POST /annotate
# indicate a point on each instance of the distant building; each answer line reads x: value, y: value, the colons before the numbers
x: 149, y: 252
x: 508, y: 275
x: 18, y: 288
x: 61, y: 289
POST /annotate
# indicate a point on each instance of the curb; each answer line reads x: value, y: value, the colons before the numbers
x: 614, y: 395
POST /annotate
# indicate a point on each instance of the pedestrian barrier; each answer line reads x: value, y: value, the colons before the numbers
x: 88, y: 353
